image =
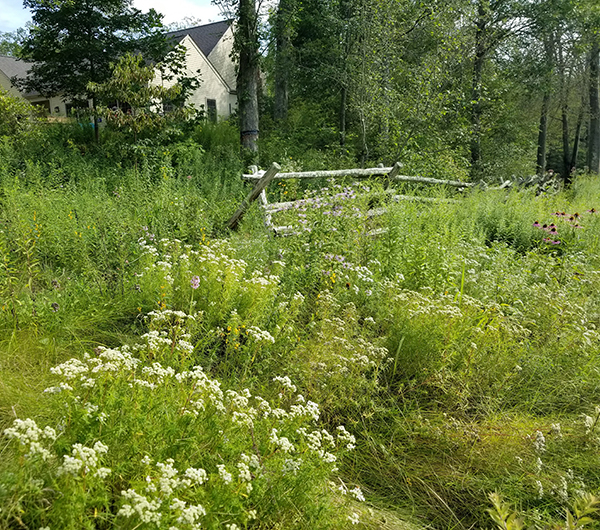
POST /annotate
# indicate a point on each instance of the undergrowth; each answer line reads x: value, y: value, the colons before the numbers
x: 157, y: 369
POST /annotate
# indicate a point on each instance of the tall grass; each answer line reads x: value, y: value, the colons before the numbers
x: 457, y: 347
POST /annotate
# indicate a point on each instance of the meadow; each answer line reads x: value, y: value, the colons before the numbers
x: 160, y: 371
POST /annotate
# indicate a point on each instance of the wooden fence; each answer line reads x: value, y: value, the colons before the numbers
x: 262, y: 179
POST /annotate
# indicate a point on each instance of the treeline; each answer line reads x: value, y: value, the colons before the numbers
x: 486, y: 88
x: 456, y: 89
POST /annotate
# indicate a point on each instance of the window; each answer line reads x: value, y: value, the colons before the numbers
x: 211, y: 109
x: 43, y: 107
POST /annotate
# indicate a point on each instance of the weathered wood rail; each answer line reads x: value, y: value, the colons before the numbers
x: 392, y: 174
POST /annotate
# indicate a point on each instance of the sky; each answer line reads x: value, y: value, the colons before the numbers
x: 13, y: 15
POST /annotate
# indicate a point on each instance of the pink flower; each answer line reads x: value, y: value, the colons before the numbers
x: 195, y: 282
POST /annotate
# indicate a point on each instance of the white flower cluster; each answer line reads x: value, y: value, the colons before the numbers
x: 160, y: 501
x: 282, y: 443
x: 539, y: 442
x: 168, y: 316
x: 85, y: 372
x: 84, y: 460
x: 155, y: 375
x: 31, y: 437
x: 285, y: 382
x: 259, y: 335
x: 257, y: 279
x: 345, y: 438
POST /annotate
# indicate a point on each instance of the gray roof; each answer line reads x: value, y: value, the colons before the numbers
x: 205, y: 37
x: 14, y: 67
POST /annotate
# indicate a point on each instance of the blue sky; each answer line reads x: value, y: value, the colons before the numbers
x: 13, y: 15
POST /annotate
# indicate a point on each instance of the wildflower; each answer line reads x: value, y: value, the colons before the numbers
x: 539, y: 443
x: 195, y: 282
x: 224, y: 474
x: 198, y: 476
x: 291, y: 466
x: 354, y: 518
x: 358, y: 494
x: 540, y: 489
x: 588, y: 423
x: 285, y: 382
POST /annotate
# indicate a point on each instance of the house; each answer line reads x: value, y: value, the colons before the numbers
x: 12, y: 67
x: 208, y: 49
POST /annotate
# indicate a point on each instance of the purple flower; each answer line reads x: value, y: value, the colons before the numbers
x: 195, y: 282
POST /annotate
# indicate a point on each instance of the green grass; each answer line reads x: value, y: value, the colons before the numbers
x: 443, y: 345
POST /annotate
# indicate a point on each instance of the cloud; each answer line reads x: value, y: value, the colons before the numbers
x: 13, y: 15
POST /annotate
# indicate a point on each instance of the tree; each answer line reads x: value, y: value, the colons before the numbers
x: 73, y: 42
x: 283, y: 29
x: 594, y: 130
x: 11, y: 42
x: 247, y: 37
x: 137, y: 104
x: 247, y: 45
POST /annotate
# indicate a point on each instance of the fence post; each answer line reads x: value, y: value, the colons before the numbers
x: 253, y: 195
x: 390, y: 176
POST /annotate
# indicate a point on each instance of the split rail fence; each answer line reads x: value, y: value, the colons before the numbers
x: 262, y: 179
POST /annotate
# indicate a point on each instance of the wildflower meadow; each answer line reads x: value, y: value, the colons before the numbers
x: 435, y: 367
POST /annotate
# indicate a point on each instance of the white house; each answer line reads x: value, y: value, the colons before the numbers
x: 11, y: 67
x: 208, y: 49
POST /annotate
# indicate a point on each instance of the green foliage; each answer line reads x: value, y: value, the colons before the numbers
x: 456, y: 345
x: 17, y: 116
x: 131, y: 85
x: 11, y: 41
x: 65, y: 58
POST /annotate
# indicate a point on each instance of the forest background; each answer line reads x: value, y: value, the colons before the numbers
x: 463, y: 89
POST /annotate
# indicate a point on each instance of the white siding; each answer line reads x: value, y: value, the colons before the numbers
x: 212, y: 85
x: 220, y: 58
x: 7, y: 85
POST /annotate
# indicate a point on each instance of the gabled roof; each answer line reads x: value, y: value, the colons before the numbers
x: 205, y: 37
x: 13, y: 67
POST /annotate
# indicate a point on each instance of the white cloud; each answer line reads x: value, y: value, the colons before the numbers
x: 13, y: 15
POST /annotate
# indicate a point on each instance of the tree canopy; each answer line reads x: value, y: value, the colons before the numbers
x: 73, y: 42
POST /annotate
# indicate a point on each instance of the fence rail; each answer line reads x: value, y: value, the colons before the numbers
x: 390, y: 174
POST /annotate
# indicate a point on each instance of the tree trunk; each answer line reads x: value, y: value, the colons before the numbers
x: 566, y: 158
x: 564, y: 112
x: 543, y: 129
x: 343, y: 104
x: 248, y: 73
x: 594, y: 132
x: 577, y: 140
x: 542, y: 135
x: 476, y: 103
x: 283, y: 50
